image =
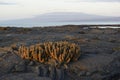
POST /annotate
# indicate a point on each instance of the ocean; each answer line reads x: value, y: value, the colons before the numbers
x: 46, y: 24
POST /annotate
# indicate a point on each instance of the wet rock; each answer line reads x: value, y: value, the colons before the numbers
x: 96, y: 76
x: 23, y: 76
x: 112, y: 40
x: 31, y: 63
x: 46, y: 71
x: 49, y: 71
x: 81, y: 32
x: 10, y: 69
x: 37, y: 70
x: 26, y: 61
x: 41, y: 70
x: 84, y: 78
x: 85, y: 28
x: 116, y: 53
x: 22, y: 62
x: 20, y: 68
x: 88, y: 73
x: 52, y: 72
x: 113, y: 76
x: 59, y: 74
x: 82, y: 73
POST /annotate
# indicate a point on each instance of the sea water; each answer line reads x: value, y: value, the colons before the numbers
x: 44, y: 24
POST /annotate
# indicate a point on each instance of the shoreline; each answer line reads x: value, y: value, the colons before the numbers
x: 86, y: 25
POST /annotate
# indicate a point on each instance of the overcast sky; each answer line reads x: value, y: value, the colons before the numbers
x: 17, y: 9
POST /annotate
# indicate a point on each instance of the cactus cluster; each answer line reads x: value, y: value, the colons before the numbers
x: 62, y: 52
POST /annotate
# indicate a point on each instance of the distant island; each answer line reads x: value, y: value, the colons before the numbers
x: 63, y: 18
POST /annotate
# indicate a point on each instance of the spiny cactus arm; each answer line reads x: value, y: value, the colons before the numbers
x: 49, y: 49
x: 14, y: 48
x: 19, y: 50
x: 39, y: 56
x: 24, y: 52
x: 27, y: 53
x: 55, y: 54
x: 68, y: 58
x: 61, y: 59
x: 51, y: 55
x: 76, y: 56
x: 35, y: 56
x: 23, y: 55
x: 42, y: 59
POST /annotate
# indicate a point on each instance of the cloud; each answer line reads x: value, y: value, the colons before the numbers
x: 93, y: 0
x: 104, y: 0
x: 7, y: 3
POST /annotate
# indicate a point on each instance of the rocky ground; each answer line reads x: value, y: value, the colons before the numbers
x: 99, y: 60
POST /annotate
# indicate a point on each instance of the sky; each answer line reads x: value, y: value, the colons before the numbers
x: 19, y: 9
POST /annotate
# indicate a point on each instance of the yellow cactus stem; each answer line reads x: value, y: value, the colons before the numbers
x: 55, y: 54
x: 60, y: 58
x: 68, y: 60
x: 75, y: 57
x: 39, y: 56
x: 51, y: 55
x: 27, y: 53
x: 49, y: 49
x: 35, y: 56
x: 20, y: 50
